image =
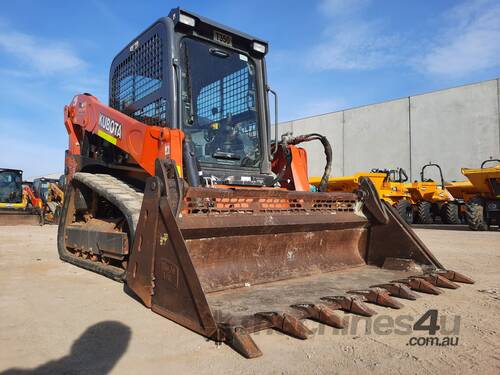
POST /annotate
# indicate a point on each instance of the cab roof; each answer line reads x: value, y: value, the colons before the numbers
x: 174, y: 15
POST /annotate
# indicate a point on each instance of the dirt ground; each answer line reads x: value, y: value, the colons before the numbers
x: 57, y: 318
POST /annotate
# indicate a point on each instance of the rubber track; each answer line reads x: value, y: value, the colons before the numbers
x: 125, y: 197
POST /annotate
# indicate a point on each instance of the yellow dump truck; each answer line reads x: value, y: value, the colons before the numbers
x: 389, y: 183
x: 432, y: 199
x: 481, y: 194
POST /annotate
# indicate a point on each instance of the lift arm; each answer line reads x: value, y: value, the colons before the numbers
x: 56, y: 192
x: 35, y: 201
x: 144, y: 143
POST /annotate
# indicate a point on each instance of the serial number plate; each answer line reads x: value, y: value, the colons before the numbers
x: 223, y: 38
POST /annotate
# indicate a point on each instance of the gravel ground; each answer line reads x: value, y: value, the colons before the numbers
x: 57, y: 318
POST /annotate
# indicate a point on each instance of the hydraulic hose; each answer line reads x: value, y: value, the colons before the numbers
x: 288, y: 160
x: 190, y: 163
x: 328, y: 153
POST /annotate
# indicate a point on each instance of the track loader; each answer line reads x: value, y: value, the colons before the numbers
x: 177, y: 189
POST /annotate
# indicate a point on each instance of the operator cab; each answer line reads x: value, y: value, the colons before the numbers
x: 11, y: 186
x: 393, y: 175
x: 41, y: 187
x: 208, y: 80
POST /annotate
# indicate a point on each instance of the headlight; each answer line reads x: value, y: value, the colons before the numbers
x: 186, y: 20
x: 259, y: 47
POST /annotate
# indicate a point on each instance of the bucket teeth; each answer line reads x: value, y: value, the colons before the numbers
x: 378, y: 296
x: 239, y: 339
x: 420, y: 285
x: 287, y: 324
x: 353, y: 305
x: 455, y: 276
x: 399, y: 290
x: 440, y: 281
x: 322, y: 314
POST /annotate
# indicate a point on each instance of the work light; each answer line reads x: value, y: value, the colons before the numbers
x: 186, y: 20
x: 259, y: 47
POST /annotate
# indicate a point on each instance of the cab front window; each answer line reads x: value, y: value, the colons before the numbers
x: 219, y: 105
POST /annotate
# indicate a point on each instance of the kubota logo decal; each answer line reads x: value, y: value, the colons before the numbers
x: 110, y: 126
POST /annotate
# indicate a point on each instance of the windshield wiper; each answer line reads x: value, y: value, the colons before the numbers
x: 189, y: 94
x: 225, y: 155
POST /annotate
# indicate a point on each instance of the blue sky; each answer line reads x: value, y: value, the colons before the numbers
x: 325, y: 55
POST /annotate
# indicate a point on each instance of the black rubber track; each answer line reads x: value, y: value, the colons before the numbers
x: 123, y: 196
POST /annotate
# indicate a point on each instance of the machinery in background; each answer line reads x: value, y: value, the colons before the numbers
x: 178, y: 189
x: 432, y: 199
x: 481, y: 194
x: 417, y: 202
x: 51, y: 193
x: 11, y: 189
x: 389, y: 183
x: 18, y: 203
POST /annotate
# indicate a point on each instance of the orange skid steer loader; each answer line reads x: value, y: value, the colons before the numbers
x: 177, y: 189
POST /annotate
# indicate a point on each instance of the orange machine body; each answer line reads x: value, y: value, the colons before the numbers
x: 144, y: 143
x: 295, y: 176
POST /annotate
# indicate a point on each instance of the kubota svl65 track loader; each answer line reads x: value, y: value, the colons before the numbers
x: 177, y: 189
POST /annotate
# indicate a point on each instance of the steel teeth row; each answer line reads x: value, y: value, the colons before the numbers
x: 380, y: 294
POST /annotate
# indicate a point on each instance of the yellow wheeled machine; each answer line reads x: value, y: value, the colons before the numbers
x: 432, y: 200
x: 481, y: 194
x: 389, y: 183
x: 18, y: 204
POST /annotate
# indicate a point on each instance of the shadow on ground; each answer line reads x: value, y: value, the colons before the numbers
x: 96, y: 351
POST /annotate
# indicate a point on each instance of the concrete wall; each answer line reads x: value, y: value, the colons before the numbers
x: 457, y: 127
